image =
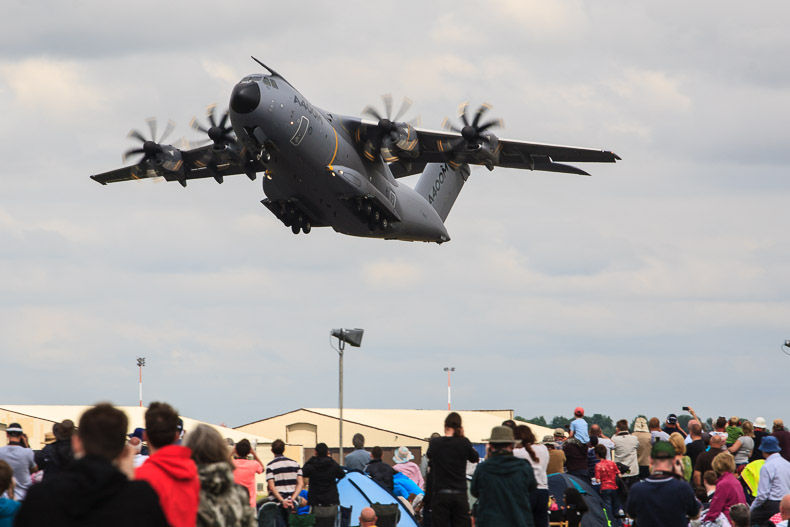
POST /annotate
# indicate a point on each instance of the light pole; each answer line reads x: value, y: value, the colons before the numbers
x: 448, y: 370
x: 140, y: 364
x: 343, y: 336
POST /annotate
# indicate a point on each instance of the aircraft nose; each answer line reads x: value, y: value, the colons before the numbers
x: 246, y: 97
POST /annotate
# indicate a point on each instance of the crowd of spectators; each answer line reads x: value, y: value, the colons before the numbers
x: 730, y: 472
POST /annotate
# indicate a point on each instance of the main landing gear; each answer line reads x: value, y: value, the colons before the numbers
x: 294, y: 218
x: 368, y: 212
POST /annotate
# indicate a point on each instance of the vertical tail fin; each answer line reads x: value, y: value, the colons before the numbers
x: 440, y: 185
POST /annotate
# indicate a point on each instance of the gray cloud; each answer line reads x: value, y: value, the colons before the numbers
x: 556, y: 290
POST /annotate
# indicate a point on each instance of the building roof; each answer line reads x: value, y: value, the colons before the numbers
x: 422, y: 423
x: 136, y: 415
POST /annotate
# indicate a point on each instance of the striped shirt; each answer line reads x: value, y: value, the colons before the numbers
x: 284, y: 472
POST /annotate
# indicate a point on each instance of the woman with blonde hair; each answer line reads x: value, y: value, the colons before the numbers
x: 682, y: 466
x: 743, y: 446
x: 222, y: 502
x: 728, y: 490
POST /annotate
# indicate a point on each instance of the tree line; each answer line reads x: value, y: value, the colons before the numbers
x: 604, y: 421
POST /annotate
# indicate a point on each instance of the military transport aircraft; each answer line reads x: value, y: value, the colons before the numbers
x: 325, y: 170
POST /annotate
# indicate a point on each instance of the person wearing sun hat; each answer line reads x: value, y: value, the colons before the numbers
x: 502, y: 484
x: 404, y: 464
x: 774, y: 482
x: 663, y: 499
x: 760, y: 432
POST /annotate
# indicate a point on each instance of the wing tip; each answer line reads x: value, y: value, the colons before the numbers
x: 96, y: 179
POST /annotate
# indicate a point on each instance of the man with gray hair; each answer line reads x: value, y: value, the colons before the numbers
x: 359, y: 458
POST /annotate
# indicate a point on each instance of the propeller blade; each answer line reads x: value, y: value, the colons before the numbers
x: 496, y: 122
x: 480, y: 111
x: 462, y: 112
x: 137, y: 135
x: 130, y: 152
x: 404, y: 107
x: 195, y: 125
x: 168, y: 130
x: 370, y: 111
x: 224, y: 119
x: 387, y: 98
x: 448, y: 125
x: 152, y: 127
x: 414, y: 123
x: 210, y: 114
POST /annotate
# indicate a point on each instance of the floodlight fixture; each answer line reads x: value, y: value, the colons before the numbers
x: 344, y: 336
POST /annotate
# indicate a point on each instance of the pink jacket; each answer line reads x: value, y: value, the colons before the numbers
x: 411, y: 471
x: 728, y: 493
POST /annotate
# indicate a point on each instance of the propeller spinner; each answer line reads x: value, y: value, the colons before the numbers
x: 390, y: 134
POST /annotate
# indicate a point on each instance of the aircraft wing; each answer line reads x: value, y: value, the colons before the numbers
x: 440, y: 146
x: 189, y: 166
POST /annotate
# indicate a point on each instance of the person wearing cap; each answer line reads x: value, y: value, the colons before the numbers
x: 642, y: 434
x: 671, y: 425
x: 774, y: 482
x: 783, y: 437
x: 578, y: 427
x: 404, y: 464
x: 502, y: 484
x: 759, y: 433
x: 560, y: 436
x: 556, y: 456
x: 662, y: 499
x: 21, y: 459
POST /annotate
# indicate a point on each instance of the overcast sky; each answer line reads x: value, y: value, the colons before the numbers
x: 657, y: 283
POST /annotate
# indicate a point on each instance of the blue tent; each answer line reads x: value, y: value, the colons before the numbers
x: 357, y: 490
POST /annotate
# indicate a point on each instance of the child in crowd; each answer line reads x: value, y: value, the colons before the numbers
x: 8, y: 507
x: 575, y: 506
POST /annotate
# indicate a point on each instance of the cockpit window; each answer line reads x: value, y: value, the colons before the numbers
x: 266, y: 81
x: 274, y: 84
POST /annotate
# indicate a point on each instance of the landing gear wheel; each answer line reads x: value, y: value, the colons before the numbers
x: 384, y: 224
x: 306, y: 227
x: 375, y: 216
x: 295, y: 228
x: 366, y: 208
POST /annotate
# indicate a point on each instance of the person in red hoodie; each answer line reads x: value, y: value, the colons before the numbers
x: 170, y: 469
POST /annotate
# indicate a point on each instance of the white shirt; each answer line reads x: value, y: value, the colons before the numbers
x: 538, y: 467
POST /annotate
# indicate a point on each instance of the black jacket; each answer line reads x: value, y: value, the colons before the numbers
x: 381, y: 473
x: 323, y: 473
x: 56, y: 458
x: 91, y: 493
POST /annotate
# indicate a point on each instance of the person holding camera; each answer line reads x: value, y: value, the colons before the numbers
x: 19, y: 456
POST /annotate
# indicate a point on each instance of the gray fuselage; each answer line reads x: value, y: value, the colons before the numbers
x: 315, y: 167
